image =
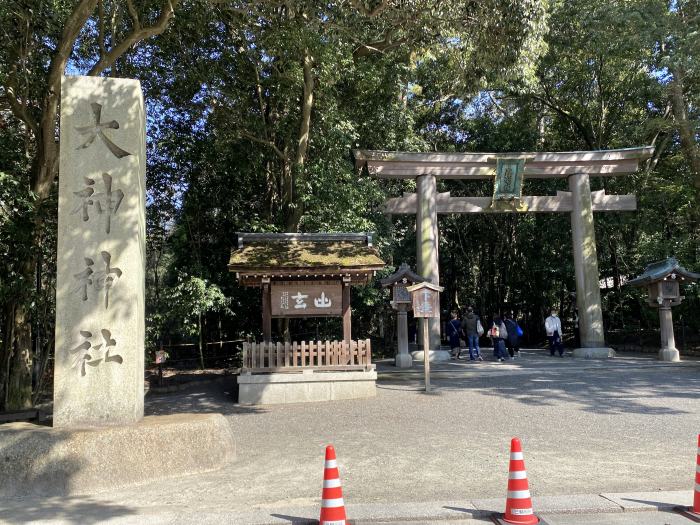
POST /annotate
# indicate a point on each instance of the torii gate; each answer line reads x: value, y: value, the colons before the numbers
x: 577, y: 166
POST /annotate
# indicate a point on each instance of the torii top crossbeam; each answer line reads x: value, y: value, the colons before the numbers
x: 542, y: 165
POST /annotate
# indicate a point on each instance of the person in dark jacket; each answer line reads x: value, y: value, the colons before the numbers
x: 454, y: 327
x: 513, y: 339
x: 471, y: 325
x: 499, y: 333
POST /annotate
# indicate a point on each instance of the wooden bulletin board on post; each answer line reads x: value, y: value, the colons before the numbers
x: 426, y: 304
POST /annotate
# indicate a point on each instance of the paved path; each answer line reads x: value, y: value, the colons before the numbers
x: 587, y: 427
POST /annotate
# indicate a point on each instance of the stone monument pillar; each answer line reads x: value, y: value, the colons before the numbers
x: 427, y: 250
x: 586, y: 270
x: 99, y: 362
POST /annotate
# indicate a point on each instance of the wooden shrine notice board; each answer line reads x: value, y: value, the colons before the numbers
x: 426, y: 303
x: 306, y: 299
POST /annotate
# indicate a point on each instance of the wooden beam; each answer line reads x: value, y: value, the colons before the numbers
x: 266, y: 312
x: 639, y: 153
x: 404, y: 165
x: 347, y: 313
x: 480, y: 171
x: 561, y: 202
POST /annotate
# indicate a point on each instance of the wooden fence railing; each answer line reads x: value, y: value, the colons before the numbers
x: 314, y: 355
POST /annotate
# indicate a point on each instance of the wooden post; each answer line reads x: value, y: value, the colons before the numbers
x: 426, y: 359
x: 266, y: 312
x: 347, y: 323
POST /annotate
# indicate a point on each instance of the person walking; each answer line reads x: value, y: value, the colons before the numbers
x: 498, y: 334
x: 552, y: 326
x: 472, y: 330
x: 453, y: 330
x: 513, y: 340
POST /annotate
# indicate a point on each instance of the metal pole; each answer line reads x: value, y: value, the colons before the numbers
x: 426, y: 357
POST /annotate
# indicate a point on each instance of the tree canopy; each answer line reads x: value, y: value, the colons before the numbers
x: 253, y: 108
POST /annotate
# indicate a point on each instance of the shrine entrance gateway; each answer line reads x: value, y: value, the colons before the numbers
x: 509, y: 170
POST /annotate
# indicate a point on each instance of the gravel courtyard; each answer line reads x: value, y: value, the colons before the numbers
x: 625, y: 425
x: 587, y: 427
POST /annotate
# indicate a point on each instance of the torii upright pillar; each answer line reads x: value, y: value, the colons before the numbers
x: 427, y: 261
x: 586, y: 270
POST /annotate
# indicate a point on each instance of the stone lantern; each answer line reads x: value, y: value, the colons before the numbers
x: 663, y: 280
x: 401, y: 302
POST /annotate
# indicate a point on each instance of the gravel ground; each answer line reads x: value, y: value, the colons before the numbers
x: 587, y: 427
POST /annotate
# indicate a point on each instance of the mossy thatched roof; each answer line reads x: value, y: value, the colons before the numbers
x: 304, y: 255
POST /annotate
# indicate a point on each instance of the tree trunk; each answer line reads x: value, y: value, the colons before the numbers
x: 201, y: 341
x: 296, y: 206
x: 689, y: 145
x: 6, y: 351
x: 17, y: 352
x: 19, y: 384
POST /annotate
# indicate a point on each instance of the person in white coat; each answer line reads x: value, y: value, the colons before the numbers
x: 552, y: 326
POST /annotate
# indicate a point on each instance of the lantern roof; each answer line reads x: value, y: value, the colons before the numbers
x: 660, y: 270
x: 403, y: 272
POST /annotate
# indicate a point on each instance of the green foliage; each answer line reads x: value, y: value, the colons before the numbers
x: 16, y: 207
x: 253, y: 109
x: 183, y: 305
x: 193, y: 297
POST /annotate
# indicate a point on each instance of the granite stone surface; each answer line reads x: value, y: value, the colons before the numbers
x: 39, y: 460
x: 99, y: 365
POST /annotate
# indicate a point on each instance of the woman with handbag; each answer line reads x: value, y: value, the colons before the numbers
x: 454, y: 327
x: 499, y: 333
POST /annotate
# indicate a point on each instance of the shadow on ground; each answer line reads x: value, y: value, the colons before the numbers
x: 612, y: 389
x: 207, y: 398
x: 73, y: 509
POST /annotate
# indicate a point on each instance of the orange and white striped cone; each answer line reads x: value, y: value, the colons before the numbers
x: 696, y: 497
x: 332, y: 505
x: 518, y: 502
x: 694, y: 511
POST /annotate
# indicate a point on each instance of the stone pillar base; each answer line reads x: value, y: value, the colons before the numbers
x: 403, y: 361
x: 435, y: 355
x: 45, y: 461
x: 594, y: 353
x: 669, y: 354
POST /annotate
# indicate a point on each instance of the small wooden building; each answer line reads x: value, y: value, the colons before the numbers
x: 301, y: 276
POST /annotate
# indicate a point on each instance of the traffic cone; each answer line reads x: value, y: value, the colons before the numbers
x: 694, y: 511
x: 518, y: 502
x: 696, y: 498
x: 332, y: 505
